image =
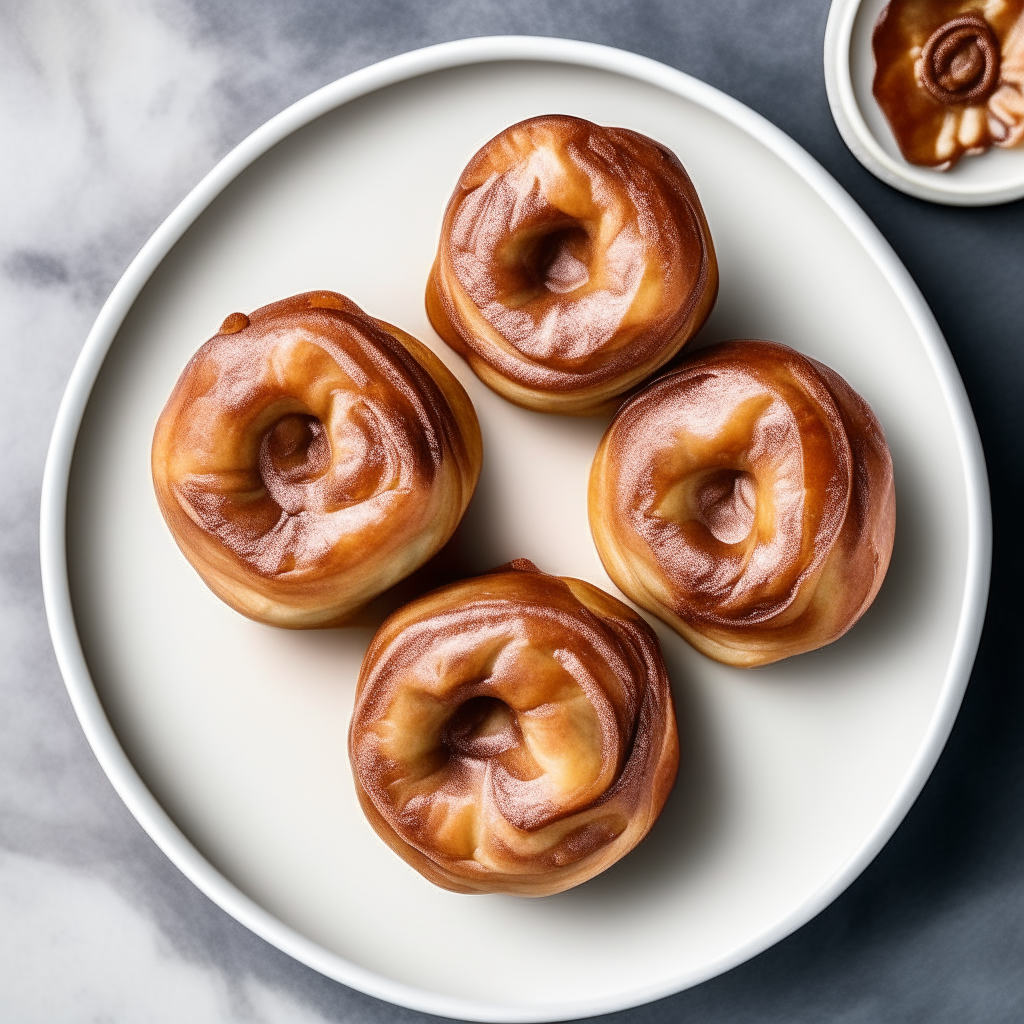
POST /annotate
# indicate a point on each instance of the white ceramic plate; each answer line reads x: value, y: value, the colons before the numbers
x: 995, y: 177
x: 227, y: 739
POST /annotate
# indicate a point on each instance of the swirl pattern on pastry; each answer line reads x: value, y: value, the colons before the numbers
x: 513, y: 733
x: 746, y: 499
x: 574, y: 260
x: 310, y: 457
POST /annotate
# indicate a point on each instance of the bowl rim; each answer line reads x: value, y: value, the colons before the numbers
x: 53, y: 513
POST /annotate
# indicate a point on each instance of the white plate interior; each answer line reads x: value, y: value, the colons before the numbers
x: 995, y: 177
x: 789, y: 773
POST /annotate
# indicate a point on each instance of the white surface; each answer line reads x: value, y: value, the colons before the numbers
x: 793, y: 776
x: 72, y: 910
x: 997, y: 176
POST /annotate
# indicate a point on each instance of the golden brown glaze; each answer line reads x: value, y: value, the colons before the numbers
x: 310, y: 457
x: 949, y: 76
x: 513, y: 733
x: 746, y: 499
x: 574, y: 260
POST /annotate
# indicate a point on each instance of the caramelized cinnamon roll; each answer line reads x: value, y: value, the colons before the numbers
x: 310, y: 457
x: 513, y: 733
x: 574, y: 260
x: 949, y: 77
x: 746, y: 499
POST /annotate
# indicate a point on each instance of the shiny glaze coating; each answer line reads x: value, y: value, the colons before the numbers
x: 949, y: 76
x: 574, y: 260
x: 513, y: 733
x: 746, y: 499
x: 310, y: 457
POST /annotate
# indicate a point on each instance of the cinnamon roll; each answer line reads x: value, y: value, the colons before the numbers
x: 310, y: 457
x: 949, y: 77
x: 513, y: 733
x: 746, y: 499
x: 574, y: 260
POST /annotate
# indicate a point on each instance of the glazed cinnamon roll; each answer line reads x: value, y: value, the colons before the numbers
x: 574, y: 260
x: 310, y: 457
x: 513, y: 733
x: 949, y: 77
x: 746, y: 499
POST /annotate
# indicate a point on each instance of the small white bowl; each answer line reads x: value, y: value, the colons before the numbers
x: 995, y: 177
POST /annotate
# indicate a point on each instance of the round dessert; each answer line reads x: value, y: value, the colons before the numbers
x: 310, y: 457
x: 574, y: 261
x: 513, y: 733
x: 746, y: 499
x: 949, y: 77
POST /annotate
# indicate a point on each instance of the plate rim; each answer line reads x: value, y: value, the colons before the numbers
x: 846, y: 112
x: 53, y: 514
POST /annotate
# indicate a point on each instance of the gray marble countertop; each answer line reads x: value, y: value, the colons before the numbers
x: 111, y: 110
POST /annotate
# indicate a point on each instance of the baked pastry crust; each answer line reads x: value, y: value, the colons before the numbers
x: 574, y: 260
x: 311, y: 456
x: 513, y: 733
x: 747, y: 499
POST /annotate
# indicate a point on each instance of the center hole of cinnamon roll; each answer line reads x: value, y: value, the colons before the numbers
x: 725, y: 501
x: 482, y: 727
x: 295, y: 449
x: 558, y: 261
